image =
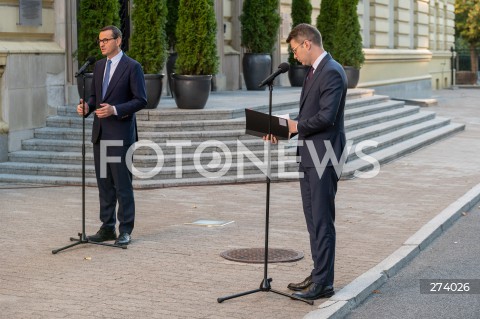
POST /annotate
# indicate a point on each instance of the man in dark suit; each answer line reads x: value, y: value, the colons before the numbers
x: 321, y: 137
x: 118, y: 91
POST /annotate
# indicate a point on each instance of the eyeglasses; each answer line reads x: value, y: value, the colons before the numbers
x: 104, y: 41
x: 294, y: 50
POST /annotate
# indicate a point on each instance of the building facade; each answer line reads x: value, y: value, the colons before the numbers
x: 406, y: 43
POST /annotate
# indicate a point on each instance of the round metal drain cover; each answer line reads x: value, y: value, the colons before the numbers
x: 257, y: 255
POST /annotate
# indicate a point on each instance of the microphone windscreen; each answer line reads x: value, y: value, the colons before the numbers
x: 284, y: 67
x: 91, y: 59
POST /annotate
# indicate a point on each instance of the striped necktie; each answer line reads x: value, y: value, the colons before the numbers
x: 106, y: 79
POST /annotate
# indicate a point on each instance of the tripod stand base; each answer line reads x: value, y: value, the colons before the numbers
x: 264, y: 286
x: 82, y: 239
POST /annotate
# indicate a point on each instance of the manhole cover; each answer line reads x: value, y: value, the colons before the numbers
x: 257, y: 255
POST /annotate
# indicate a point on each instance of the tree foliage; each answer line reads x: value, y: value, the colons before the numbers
x: 171, y: 25
x: 196, y: 38
x: 348, y: 41
x: 148, y: 43
x: 301, y: 13
x: 92, y: 16
x: 467, y: 26
x: 260, y: 22
x: 327, y: 24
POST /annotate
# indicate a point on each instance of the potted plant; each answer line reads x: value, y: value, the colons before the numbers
x: 301, y: 13
x: 197, y: 53
x: 148, y: 44
x: 348, y: 41
x: 92, y: 16
x: 260, y: 22
x: 327, y: 24
x: 170, y: 28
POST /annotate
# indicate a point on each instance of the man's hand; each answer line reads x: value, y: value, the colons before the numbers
x: 80, y: 109
x: 106, y: 110
x: 271, y: 138
x: 292, y: 126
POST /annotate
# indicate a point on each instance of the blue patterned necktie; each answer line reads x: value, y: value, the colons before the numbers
x: 106, y: 79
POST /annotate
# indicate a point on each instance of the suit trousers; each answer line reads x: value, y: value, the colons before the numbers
x: 115, y: 187
x: 318, y: 198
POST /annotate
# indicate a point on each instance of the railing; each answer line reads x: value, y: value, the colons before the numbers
x: 463, y: 62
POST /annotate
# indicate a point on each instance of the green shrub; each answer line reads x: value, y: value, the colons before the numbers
x: 348, y: 41
x: 260, y: 22
x: 196, y: 38
x: 301, y: 13
x: 327, y: 24
x: 92, y: 16
x: 148, y: 43
x: 171, y: 25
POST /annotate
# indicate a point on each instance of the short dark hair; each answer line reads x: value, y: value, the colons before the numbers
x: 116, y: 31
x: 305, y: 31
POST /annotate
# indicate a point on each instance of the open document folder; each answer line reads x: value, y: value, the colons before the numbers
x: 257, y: 124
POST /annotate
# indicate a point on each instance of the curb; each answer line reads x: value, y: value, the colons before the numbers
x: 358, y: 290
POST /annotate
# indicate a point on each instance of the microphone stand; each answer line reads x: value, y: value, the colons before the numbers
x: 265, y: 284
x: 82, y: 237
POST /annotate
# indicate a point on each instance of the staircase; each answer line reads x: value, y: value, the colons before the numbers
x: 201, y: 147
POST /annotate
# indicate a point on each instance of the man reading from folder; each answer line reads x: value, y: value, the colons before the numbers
x: 320, y: 121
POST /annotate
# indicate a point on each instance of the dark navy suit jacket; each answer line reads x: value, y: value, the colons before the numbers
x: 321, y: 116
x: 320, y: 120
x: 126, y: 91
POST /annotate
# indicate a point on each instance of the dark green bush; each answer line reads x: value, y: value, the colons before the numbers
x: 327, y: 24
x: 348, y: 41
x: 260, y: 22
x: 171, y: 25
x: 148, y: 44
x: 301, y: 13
x: 196, y: 38
x: 92, y: 16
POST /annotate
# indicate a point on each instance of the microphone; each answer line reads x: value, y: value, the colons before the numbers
x: 282, y: 68
x: 90, y: 60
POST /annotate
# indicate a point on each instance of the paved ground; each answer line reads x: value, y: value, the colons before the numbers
x: 454, y: 256
x: 173, y: 270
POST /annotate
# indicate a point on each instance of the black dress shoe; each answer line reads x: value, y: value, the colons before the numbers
x: 301, y: 285
x: 103, y: 235
x: 123, y: 240
x: 316, y: 291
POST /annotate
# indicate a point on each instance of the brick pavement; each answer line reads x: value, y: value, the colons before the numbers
x: 173, y: 270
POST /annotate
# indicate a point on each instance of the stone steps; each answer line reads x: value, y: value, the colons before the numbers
x: 352, y: 169
x: 401, y: 149
x: 226, y: 129
x: 355, y: 108
x: 53, y: 156
x: 389, y: 132
x: 415, y: 137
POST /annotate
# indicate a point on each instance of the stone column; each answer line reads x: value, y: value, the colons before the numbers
x: 231, y: 43
x: 422, y: 24
x: 379, y: 13
x: 220, y: 82
x: 3, y: 125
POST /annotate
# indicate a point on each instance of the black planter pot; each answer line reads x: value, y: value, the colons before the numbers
x: 88, y: 86
x: 153, y: 85
x: 353, y: 75
x: 191, y: 91
x: 256, y: 68
x: 172, y: 58
x: 297, y: 74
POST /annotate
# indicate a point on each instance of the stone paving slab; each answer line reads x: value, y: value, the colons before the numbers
x: 173, y: 270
